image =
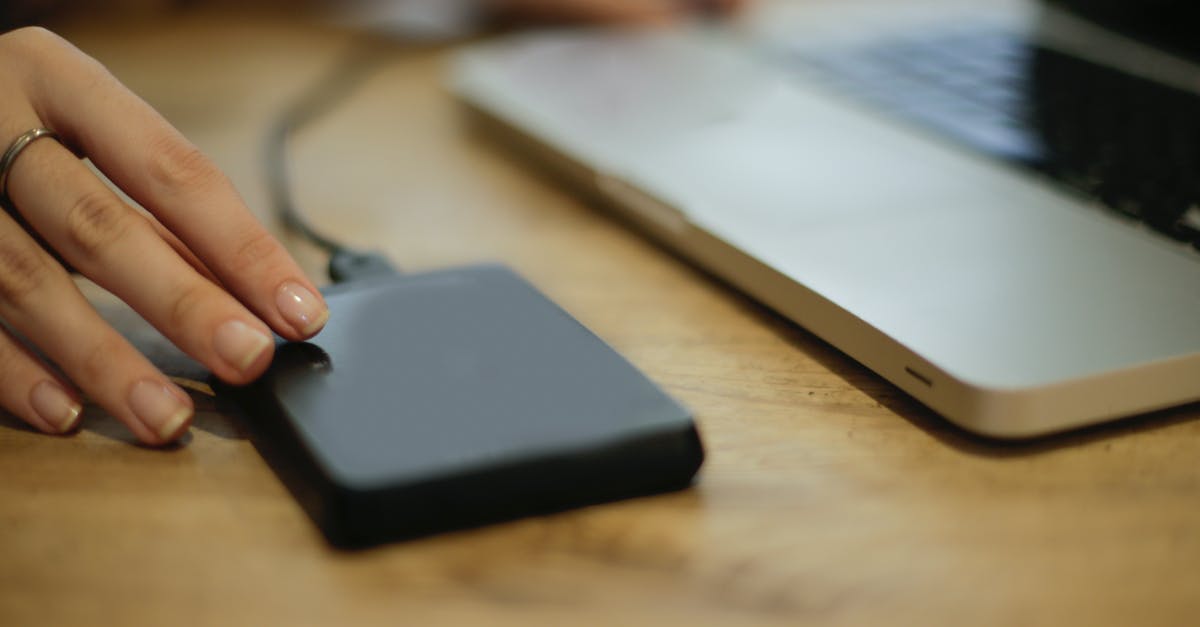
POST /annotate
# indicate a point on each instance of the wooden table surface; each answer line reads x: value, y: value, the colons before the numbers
x: 828, y: 496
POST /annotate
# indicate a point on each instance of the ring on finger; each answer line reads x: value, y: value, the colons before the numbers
x: 10, y: 157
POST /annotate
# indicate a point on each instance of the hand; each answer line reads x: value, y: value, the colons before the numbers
x: 195, y: 264
x: 627, y: 11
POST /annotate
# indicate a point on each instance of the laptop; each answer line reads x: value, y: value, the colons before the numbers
x: 993, y: 205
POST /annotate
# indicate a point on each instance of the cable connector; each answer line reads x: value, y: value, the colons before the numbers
x: 352, y: 265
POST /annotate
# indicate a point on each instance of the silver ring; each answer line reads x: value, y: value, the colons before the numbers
x: 10, y: 157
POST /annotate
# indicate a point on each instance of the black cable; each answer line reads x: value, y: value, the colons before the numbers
x: 357, y: 64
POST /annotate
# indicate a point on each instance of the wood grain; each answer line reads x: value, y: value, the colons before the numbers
x: 828, y: 497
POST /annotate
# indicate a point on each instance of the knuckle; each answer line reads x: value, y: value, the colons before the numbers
x: 31, y: 47
x: 185, y: 302
x: 22, y: 272
x: 98, y: 358
x: 98, y: 221
x: 32, y: 59
x: 176, y: 164
x: 23, y: 49
x: 254, y: 250
x: 11, y: 358
x: 16, y: 370
x: 34, y: 39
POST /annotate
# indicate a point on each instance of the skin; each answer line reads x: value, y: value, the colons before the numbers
x: 612, y: 11
x: 603, y: 11
x: 196, y: 264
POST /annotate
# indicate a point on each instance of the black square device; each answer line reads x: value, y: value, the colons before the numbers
x: 455, y: 398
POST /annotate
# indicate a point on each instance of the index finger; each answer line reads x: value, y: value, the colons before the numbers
x: 155, y: 165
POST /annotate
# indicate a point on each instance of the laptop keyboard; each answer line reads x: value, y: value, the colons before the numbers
x: 1130, y: 144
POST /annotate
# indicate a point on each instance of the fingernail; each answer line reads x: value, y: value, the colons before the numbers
x: 157, y: 406
x: 302, y: 309
x: 240, y: 344
x: 55, y: 406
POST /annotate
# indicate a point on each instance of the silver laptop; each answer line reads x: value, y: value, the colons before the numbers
x: 990, y: 204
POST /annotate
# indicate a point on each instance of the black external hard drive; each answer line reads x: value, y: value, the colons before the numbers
x: 455, y: 398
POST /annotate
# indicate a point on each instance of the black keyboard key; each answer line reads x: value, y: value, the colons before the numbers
x: 1130, y: 143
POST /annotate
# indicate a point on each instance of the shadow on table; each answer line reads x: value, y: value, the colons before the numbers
x: 209, y: 418
x: 925, y: 419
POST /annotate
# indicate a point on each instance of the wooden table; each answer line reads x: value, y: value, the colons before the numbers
x: 828, y: 495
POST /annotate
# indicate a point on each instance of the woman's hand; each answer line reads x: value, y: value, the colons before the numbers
x: 199, y: 267
x: 617, y: 11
